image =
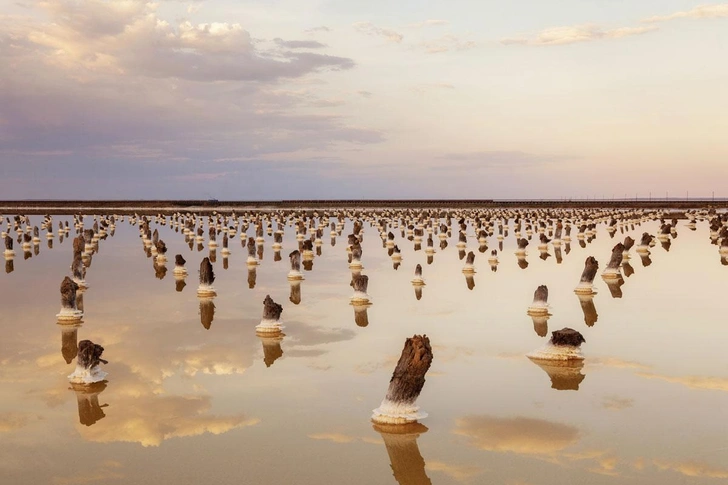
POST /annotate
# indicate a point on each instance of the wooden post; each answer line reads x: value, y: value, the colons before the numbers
x: 399, y: 405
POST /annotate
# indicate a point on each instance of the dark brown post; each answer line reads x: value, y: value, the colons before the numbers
x: 565, y: 344
x: 87, y: 364
x: 399, y: 405
x: 69, y: 312
x: 271, y: 317
x: 612, y: 270
x: 360, y: 284
x: 540, y: 301
x: 295, y: 272
x: 586, y: 282
x: 207, y: 278
x: 418, y: 281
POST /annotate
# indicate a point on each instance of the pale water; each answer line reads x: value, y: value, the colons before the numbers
x: 183, y: 404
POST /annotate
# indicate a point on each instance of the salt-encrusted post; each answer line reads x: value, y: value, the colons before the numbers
x: 565, y: 344
x: 69, y: 312
x: 586, y: 282
x: 399, y: 406
x: 87, y: 364
x: 271, y: 321
x: 540, y: 301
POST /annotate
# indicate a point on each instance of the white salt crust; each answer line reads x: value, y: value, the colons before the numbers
x: 556, y: 352
x: 294, y: 275
x: 359, y: 297
x: 269, y: 326
x: 206, y: 291
x: 390, y: 412
x: 87, y: 376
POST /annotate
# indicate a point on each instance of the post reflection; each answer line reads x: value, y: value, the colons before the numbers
x: 361, y: 317
x: 540, y: 324
x: 87, y: 396
x: 565, y: 375
x: 615, y: 286
x: 207, y: 312
x: 408, y: 466
x: 69, y: 342
x: 272, y: 350
x: 588, y: 308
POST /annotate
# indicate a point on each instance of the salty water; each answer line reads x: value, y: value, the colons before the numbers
x: 185, y: 404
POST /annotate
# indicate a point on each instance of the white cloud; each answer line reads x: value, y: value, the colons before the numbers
x: 314, y: 30
x: 298, y: 44
x: 574, y: 34
x: 447, y: 43
x: 429, y: 23
x: 369, y: 28
x: 699, y: 12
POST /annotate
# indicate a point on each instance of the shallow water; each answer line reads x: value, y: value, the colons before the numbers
x: 184, y: 404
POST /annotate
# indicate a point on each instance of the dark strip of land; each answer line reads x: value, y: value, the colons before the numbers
x: 168, y: 206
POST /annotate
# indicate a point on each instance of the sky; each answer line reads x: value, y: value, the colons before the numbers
x: 326, y: 99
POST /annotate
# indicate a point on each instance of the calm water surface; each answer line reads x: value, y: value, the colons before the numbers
x: 186, y: 405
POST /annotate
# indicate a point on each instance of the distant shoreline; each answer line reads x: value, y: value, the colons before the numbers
x: 168, y: 206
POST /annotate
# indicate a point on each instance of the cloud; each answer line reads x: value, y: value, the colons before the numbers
x: 469, y: 161
x: 299, y: 44
x: 150, y: 419
x: 365, y: 94
x: 369, y: 28
x: 699, y: 12
x: 128, y: 37
x: 103, y: 472
x: 574, y: 34
x: 335, y: 437
x: 429, y: 23
x: 14, y: 421
x: 424, y: 87
x: 447, y: 43
x: 92, y: 89
x: 516, y: 435
x: 459, y: 473
x: 321, y: 28
x: 693, y: 382
x: 693, y: 469
x: 616, y: 363
x: 327, y: 103
x: 617, y: 403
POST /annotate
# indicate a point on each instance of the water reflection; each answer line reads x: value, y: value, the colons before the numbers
x: 587, y: 307
x: 295, y: 294
x: 522, y: 262
x: 470, y: 280
x: 540, y: 323
x: 272, y: 350
x: 408, y: 466
x: 565, y: 375
x: 252, y: 275
x: 361, y: 317
x: 646, y: 260
x: 69, y: 342
x: 628, y: 269
x: 615, y: 286
x: 87, y: 397
x: 207, y: 312
x: 520, y: 435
